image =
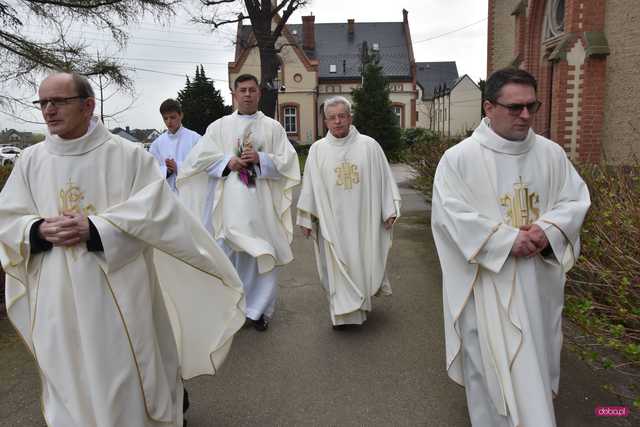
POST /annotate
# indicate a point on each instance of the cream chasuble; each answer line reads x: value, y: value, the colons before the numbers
x: 485, y: 188
x: 98, y: 323
x: 252, y: 224
x: 347, y: 193
x: 174, y: 146
x: 256, y: 220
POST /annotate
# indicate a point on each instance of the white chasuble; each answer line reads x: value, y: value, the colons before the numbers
x: 347, y: 193
x: 485, y: 188
x: 175, y: 146
x: 255, y: 219
x: 99, y: 324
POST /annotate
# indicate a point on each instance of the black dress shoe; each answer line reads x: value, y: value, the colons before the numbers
x: 262, y: 324
x: 185, y: 401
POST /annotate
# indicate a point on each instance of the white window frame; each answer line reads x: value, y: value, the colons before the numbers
x: 293, y: 119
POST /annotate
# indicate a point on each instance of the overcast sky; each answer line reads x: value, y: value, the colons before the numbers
x: 160, y: 56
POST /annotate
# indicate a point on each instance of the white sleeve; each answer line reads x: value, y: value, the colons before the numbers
x: 155, y: 151
x: 119, y: 247
x: 217, y: 168
x: 267, y: 168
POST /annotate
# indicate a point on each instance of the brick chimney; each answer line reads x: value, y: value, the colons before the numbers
x: 350, y: 26
x: 308, y: 32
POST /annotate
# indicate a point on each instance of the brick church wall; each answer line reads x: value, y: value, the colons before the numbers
x: 621, y: 130
x: 590, y: 102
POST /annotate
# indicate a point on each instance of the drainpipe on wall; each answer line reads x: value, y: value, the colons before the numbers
x: 449, y: 116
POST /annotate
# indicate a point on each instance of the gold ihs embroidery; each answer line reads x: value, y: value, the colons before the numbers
x: 520, y: 205
x: 347, y: 175
x: 71, y: 200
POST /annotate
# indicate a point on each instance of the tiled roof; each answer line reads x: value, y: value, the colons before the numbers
x: 430, y: 75
x: 334, y: 46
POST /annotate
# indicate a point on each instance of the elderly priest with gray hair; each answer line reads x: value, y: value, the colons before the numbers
x: 348, y: 203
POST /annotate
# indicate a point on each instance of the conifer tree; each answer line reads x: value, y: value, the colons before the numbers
x: 373, y: 114
x: 201, y: 102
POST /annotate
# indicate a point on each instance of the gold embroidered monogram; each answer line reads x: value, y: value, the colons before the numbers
x: 72, y: 200
x: 520, y: 205
x: 347, y: 175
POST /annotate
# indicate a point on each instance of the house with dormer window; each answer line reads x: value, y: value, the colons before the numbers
x: 321, y: 60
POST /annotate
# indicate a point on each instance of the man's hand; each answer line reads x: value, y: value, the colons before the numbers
x: 530, y: 241
x: 523, y: 246
x: 249, y: 155
x: 306, y: 231
x: 171, y: 165
x: 389, y: 222
x: 537, y: 236
x: 235, y: 164
x: 66, y: 230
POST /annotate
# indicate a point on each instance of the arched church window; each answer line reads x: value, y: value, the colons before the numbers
x: 554, y: 19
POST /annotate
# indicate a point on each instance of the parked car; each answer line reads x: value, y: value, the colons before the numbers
x: 9, y: 154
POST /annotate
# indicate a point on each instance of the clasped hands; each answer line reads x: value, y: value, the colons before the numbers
x: 530, y: 241
x: 248, y: 157
x: 68, y: 229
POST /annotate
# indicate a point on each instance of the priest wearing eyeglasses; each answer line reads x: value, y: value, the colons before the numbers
x: 80, y: 217
x: 507, y: 210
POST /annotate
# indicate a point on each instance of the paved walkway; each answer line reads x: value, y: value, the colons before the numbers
x: 389, y: 372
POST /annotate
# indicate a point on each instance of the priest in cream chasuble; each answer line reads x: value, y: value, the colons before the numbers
x: 112, y: 344
x: 507, y: 211
x: 239, y: 181
x: 348, y: 203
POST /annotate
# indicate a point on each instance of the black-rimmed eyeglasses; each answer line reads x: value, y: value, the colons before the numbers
x: 55, y: 102
x: 516, y: 109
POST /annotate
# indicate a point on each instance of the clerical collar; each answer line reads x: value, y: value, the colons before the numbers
x: 96, y: 135
x: 247, y: 116
x: 174, y: 133
x: 491, y: 140
x: 353, y: 132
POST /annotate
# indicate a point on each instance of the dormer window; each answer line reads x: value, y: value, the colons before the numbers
x: 333, y: 68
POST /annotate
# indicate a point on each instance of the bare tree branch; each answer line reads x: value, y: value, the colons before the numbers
x: 261, y: 14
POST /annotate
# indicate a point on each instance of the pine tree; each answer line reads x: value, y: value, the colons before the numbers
x: 201, y: 102
x: 373, y: 114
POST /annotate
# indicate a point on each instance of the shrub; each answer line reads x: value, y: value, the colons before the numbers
x: 417, y: 135
x: 423, y: 155
x: 603, y: 289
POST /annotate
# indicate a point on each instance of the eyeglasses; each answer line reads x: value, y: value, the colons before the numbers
x: 516, y: 109
x: 341, y: 116
x: 55, y: 102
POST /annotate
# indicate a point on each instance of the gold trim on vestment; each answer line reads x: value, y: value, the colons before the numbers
x: 240, y: 292
x: 133, y: 353
x: 455, y: 318
x: 573, y: 253
x: 24, y: 341
x: 494, y: 230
